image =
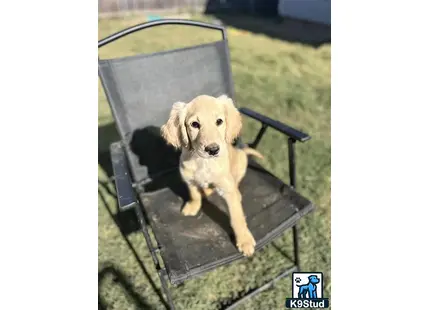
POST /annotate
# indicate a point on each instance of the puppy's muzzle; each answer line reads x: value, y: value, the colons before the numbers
x: 212, y: 149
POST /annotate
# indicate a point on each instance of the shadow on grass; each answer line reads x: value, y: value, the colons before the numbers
x: 126, y: 221
x: 121, y: 279
x: 286, y: 29
x: 131, y: 225
x: 287, y: 256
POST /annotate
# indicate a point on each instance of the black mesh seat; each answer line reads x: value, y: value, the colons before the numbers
x: 192, y: 245
x: 141, y: 91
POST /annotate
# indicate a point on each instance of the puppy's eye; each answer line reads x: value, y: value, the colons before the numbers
x: 195, y: 125
x: 218, y: 122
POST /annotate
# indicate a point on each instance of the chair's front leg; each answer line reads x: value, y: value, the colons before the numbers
x: 244, y: 240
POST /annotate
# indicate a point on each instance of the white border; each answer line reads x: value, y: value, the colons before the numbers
x: 380, y: 127
x: 48, y: 157
x: 380, y: 153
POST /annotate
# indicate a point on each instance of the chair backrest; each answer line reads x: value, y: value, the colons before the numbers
x: 141, y: 89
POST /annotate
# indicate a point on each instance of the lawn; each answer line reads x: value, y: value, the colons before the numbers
x: 286, y: 81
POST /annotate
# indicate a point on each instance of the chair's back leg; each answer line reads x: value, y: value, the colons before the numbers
x: 296, y: 246
x: 292, y: 166
x: 162, y: 274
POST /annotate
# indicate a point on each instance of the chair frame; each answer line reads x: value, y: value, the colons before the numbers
x: 127, y: 189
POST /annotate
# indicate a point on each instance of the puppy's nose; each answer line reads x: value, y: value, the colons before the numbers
x: 212, y: 149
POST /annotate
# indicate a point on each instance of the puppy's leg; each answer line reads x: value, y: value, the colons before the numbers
x: 244, y: 240
x: 238, y: 164
x: 208, y: 191
x: 193, y: 206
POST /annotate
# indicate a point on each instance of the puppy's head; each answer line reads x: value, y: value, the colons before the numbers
x: 313, y: 279
x: 206, y: 125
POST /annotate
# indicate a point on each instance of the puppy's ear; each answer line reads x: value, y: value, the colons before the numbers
x: 232, y: 118
x: 174, y: 131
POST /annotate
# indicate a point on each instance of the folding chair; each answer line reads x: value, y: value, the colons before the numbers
x: 141, y: 90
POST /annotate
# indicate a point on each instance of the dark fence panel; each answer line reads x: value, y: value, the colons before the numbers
x: 257, y: 7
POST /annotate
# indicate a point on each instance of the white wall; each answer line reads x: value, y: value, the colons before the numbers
x: 311, y: 10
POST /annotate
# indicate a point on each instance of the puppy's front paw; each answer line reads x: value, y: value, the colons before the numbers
x: 246, y: 243
x: 191, y: 208
x: 208, y: 191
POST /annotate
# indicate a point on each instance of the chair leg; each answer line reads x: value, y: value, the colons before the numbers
x: 161, y: 271
x: 292, y: 166
x: 296, y: 246
x: 166, y: 290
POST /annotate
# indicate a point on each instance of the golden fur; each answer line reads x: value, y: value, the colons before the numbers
x: 193, y: 127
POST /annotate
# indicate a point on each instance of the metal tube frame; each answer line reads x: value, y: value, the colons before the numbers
x: 292, y: 163
x: 138, y: 209
x: 147, y: 25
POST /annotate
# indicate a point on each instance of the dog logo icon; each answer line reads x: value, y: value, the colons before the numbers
x: 307, y: 291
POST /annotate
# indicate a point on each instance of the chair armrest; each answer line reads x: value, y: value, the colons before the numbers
x: 124, y: 188
x: 285, y: 129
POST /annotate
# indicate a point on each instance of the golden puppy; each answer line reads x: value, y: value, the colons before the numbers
x: 204, y: 130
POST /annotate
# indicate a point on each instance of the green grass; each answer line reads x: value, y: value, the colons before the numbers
x: 286, y: 81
